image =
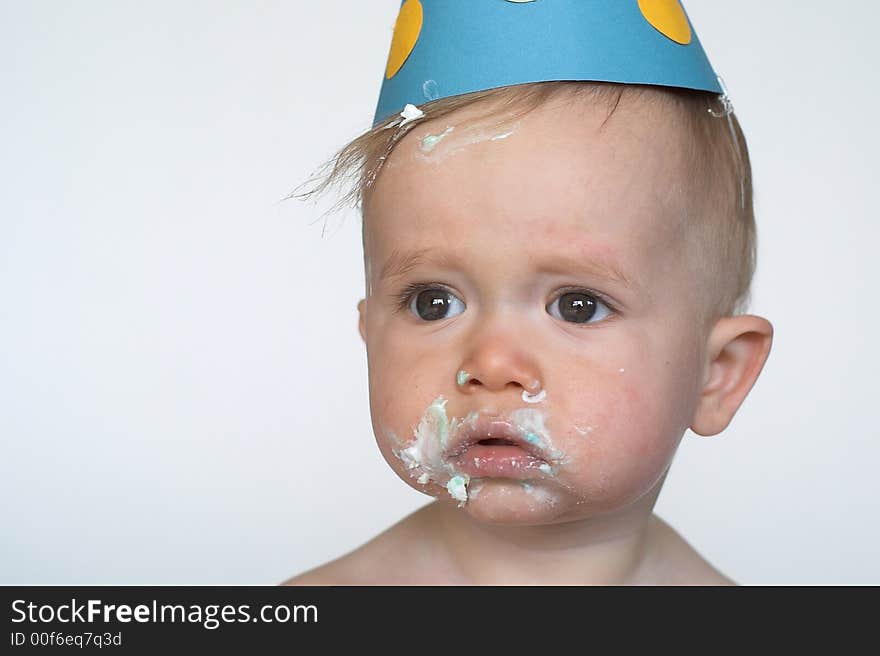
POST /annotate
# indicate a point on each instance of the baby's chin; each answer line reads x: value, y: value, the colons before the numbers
x: 514, y: 502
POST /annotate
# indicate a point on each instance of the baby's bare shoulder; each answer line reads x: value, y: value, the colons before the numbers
x: 342, y: 571
x: 400, y: 555
x: 678, y: 563
x: 369, y: 564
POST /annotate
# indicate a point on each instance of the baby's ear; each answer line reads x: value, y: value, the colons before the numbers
x: 737, y: 350
x: 362, y: 308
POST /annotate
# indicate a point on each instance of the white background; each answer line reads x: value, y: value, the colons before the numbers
x: 183, y: 391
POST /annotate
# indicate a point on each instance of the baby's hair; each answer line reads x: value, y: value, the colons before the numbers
x: 720, y: 227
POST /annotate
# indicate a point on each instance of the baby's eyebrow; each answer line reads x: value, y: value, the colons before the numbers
x: 592, y: 266
x: 400, y: 263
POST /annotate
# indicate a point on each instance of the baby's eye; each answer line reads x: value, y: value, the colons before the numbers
x: 435, y: 303
x: 578, y: 307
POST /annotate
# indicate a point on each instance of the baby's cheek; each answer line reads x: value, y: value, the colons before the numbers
x: 394, y: 414
x: 622, y: 441
x: 390, y: 442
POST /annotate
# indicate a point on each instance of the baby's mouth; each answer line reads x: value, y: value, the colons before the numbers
x: 496, y: 449
x: 492, y: 441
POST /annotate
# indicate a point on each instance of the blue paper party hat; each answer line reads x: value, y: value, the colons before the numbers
x: 444, y: 48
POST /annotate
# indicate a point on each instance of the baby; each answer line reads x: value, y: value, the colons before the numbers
x: 555, y: 279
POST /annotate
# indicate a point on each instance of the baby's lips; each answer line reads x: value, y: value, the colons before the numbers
x: 496, y: 429
x: 499, y: 460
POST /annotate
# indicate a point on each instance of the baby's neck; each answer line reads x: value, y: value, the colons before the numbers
x: 619, y: 549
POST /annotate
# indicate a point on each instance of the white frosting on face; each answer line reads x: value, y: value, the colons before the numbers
x: 457, y: 488
x: 540, y: 494
x: 586, y: 430
x: 531, y: 421
x: 430, y: 141
x: 454, y: 139
x: 424, y: 454
x: 534, y: 398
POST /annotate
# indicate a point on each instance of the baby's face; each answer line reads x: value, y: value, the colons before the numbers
x: 535, y: 344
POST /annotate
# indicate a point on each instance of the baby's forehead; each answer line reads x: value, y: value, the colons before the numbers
x: 569, y: 167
